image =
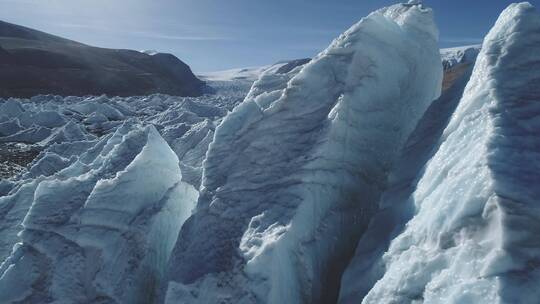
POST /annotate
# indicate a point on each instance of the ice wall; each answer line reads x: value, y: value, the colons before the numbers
x: 396, y: 206
x: 295, y: 172
x: 474, y: 234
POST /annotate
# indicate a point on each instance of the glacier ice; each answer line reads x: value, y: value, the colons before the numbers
x: 187, y: 124
x: 395, y: 207
x: 295, y: 171
x: 10, y: 127
x: 11, y: 108
x: 80, y: 161
x: 473, y: 235
x: 342, y: 178
x: 101, y: 229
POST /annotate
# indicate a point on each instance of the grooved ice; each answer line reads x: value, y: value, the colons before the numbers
x: 474, y: 234
x: 295, y: 171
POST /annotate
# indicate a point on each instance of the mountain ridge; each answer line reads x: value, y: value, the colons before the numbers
x: 35, y: 62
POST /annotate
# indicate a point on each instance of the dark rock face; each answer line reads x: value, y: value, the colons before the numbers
x: 33, y: 62
x: 14, y: 157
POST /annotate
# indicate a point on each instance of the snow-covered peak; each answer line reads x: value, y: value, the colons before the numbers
x: 459, y: 55
x: 247, y: 73
x: 251, y: 74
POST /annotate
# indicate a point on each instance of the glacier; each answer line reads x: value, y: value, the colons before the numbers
x: 294, y: 172
x: 384, y: 170
x: 121, y: 176
x: 472, y: 232
x: 395, y: 208
x: 187, y: 124
x: 101, y: 229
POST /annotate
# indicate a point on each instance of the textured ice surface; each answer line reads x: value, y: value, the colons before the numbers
x: 340, y: 176
x: 396, y: 206
x: 186, y: 123
x: 473, y: 236
x: 295, y: 171
x: 101, y: 229
x: 244, y: 74
x: 138, y: 199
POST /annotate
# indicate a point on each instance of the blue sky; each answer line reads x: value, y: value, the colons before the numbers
x: 220, y: 34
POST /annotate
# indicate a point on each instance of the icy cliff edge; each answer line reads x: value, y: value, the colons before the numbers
x: 295, y: 171
x: 473, y: 237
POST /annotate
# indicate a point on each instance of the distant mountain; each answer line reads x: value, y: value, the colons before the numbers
x: 33, y: 62
x: 459, y: 55
x: 253, y: 73
x: 456, y: 61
